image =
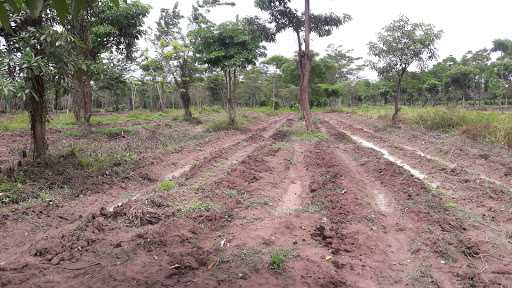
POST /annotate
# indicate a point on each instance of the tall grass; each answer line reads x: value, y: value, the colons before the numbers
x: 485, y: 126
x: 20, y: 121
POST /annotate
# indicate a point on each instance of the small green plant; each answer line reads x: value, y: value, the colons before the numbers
x: 195, y: 206
x: 167, y: 185
x: 451, y: 205
x: 278, y: 259
x: 10, y: 192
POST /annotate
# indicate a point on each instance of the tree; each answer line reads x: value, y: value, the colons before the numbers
x: 399, y: 45
x: 283, y: 17
x: 38, y: 41
x: 346, y: 67
x: 102, y: 26
x: 462, y: 77
x: 154, y: 72
x: 503, y: 65
x: 177, y: 54
x: 274, y: 67
x: 433, y: 89
x: 229, y: 46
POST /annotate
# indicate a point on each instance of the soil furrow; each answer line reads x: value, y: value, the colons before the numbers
x: 443, y: 247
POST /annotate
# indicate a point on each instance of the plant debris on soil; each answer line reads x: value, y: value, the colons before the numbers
x: 269, y: 205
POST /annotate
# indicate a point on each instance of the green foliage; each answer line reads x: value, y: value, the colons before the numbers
x: 73, y: 133
x: 98, y: 159
x: 284, y: 17
x: 10, y: 192
x: 116, y: 27
x: 482, y: 126
x: 167, y: 185
x: 278, y: 259
x: 227, y: 45
x: 402, y: 43
x: 20, y: 121
x: 114, y: 132
x: 223, y: 124
x: 195, y: 206
x: 312, y: 136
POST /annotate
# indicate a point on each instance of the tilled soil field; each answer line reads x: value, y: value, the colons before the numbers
x: 272, y: 206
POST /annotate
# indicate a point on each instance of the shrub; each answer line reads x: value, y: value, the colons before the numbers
x: 278, y: 259
x: 167, y: 185
x: 10, y: 192
x: 221, y: 125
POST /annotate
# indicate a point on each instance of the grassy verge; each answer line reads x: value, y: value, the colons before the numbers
x: 484, y: 126
x: 20, y: 121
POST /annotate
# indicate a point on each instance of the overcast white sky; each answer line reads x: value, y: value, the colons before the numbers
x: 467, y: 24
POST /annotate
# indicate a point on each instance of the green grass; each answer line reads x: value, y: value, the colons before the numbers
x: 483, y: 126
x: 279, y: 257
x: 135, y: 116
x: 20, y: 121
x: 73, y: 133
x: 99, y: 159
x: 313, y: 136
x: 10, y: 192
x: 223, y: 124
x: 195, y: 206
x: 167, y: 185
x: 451, y: 205
x: 113, y: 132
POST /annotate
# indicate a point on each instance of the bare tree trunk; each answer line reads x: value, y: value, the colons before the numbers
x: 82, y: 97
x: 76, y: 96
x: 160, y: 98
x: 38, y: 106
x: 87, y: 98
x: 133, y: 94
x: 185, y: 100
x: 273, y: 93
x: 229, y: 96
x: 38, y: 116
x: 394, y: 118
x: 58, y: 97
x: 306, y: 72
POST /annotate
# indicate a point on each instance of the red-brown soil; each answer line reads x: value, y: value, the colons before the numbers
x: 340, y: 213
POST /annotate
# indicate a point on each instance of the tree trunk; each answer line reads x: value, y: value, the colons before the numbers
x: 273, y: 93
x: 82, y: 97
x: 185, y: 101
x: 229, y: 97
x: 76, y: 96
x: 87, y: 98
x: 160, y: 97
x: 58, y: 96
x: 306, y: 70
x: 38, y: 116
x: 394, y: 118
